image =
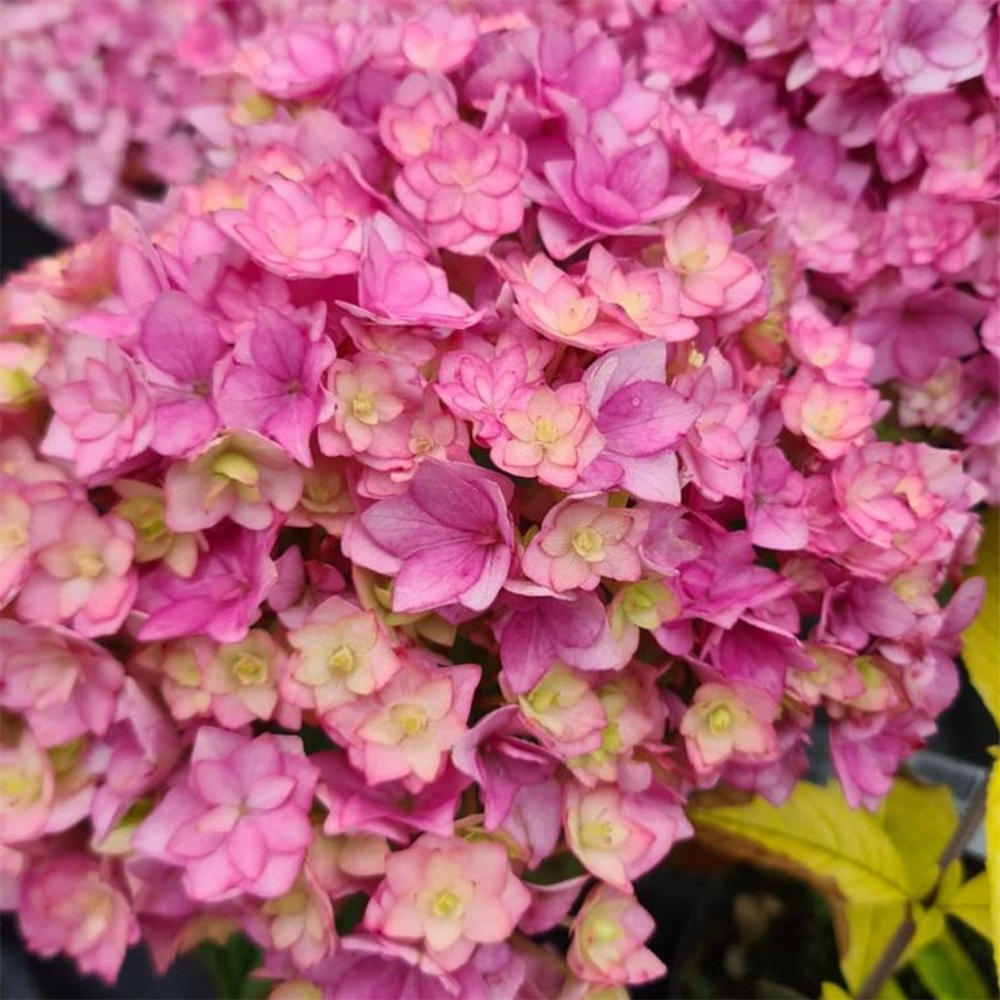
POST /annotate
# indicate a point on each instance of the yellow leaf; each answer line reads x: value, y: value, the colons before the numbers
x: 971, y: 904
x: 814, y: 834
x: 951, y: 881
x: 920, y: 820
x: 993, y: 859
x: 981, y: 642
x: 869, y: 930
x: 831, y: 991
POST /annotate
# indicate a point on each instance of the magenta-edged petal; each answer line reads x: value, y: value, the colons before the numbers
x: 438, y: 575
x: 181, y: 339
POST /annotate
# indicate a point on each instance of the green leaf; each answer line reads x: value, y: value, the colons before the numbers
x: 981, y: 642
x: 970, y: 902
x: 869, y: 931
x: 833, y: 991
x: 814, y: 834
x: 993, y: 859
x: 919, y: 820
x: 946, y: 970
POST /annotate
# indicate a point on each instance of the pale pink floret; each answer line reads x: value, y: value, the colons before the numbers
x: 608, y: 935
x: 102, y: 411
x: 239, y: 822
x: 422, y: 104
x: 27, y: 789
x: 294, y: 60
x: 725, y: 722
x: 449, y: 895
x: 583, y: 540
x: 929, y: 47
x: 448, y: 539
x: 341, y: 653
x: 397, y: 286
x: 299, y: 230
x: 842, y: 359
x: 548, y: 434
x: 620, y: 834
x: 439, y: 39
x: 846, y: 36
x: 563, y: 711
x: 15, y: 552
x: 466, y: 188
x: 407, y: 728
x: 66, y: 904
x: 241, y: 476
x: 963, y: 162
x: 82, y: 569
x: 63, y: 685
x: 714, y: 278
x: 241, y: 679
x: 832, y: 418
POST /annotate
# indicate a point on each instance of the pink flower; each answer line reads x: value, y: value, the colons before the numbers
x: 179, y: 345
x: 581, y: 541
x: 929, y: 47
x: 241, y: 679
x: 63, y: 685
x: 15, y: 551
x: 422, y: 104
x: 407, y: 728
x: 298, y: 229
x: 726, y: 721
x: 608, y: 935
x: 607, y: 183
x: 102, y: 411
x: 619, y: 834
x: 466, y: 188
x: 583, y: 63
x: 342, y: 653
x: 846, y: 36
x: 763, y: 27
x: 142, y: 505
x: 549, y: 434
x: 831, y: 417
x: 776, y: 517
x: 439, y: 39
x: 714, y: 278
x: 726, y: 156
x: 564, y: 712
x: 295, y: 60
x: 449, y: 895
x: 68, y: 904
x: 397, y: 286
x: 274, y: 385
x: 82, y: 568
x: 241, y: 476
x: 27, y: 789
x: 221, y: 598
x: 239, y: 822
x: 842, y: 358
x: 448, y: 539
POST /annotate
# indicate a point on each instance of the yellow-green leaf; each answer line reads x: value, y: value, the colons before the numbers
x: 869, y: 930
x: 951, y: 881
x: 993, y: 858
x: 981, y: 642
x: 947, y: 971
x: 814, y: 834
x: 971, y: 904
x: 833, y: 991
x: 920, y: 820
x: 930, y: 926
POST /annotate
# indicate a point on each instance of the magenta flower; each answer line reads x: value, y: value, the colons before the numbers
x: 179, y: 345
x: 448, y: 539
x: 298, y: 229
x: 103, y: 414
x: 221, y: 598
x: 239, y: 822
x: 466, y: 189
x: 82, y: 570
x: 449, y: 895
x: 275, y: 383
x: 776, y: 516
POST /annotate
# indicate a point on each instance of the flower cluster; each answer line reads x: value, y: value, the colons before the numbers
x: 522, y: 434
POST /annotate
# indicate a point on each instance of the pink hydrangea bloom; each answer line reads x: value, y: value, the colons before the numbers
x: 581, y: 541
x: 239, y: 822
x: 452, y: 516
x: 294, y: 61
x: 449, y: 895
x: 725, y: 722
x: 27, y: 789
x: 274, y: 385
x: 407, y: 728
x: 81, y: 568
x: 67, y: 904
x: 465, y: 188
x: 422, y: 104
x: 608, y: 936
x: 549, y: 434
x: 103, y: 414
x: 929, y: 47
x: 563, y: 711
x: 440, y: 39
